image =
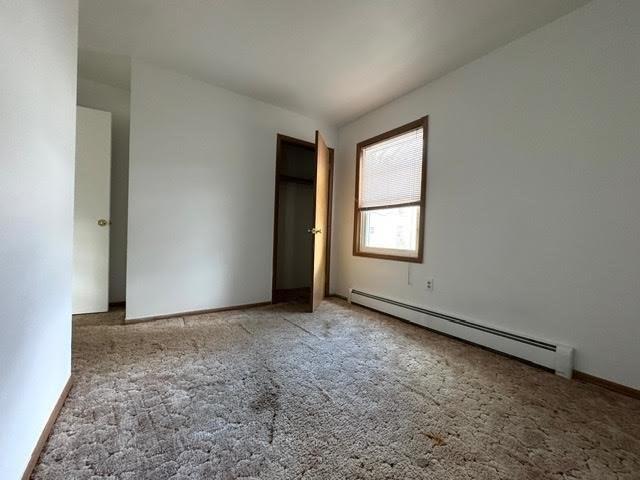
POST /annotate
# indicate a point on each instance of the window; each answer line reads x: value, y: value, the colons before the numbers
x: 391, y: 180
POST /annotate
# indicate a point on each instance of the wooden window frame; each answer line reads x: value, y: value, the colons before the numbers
x: 357, y: 217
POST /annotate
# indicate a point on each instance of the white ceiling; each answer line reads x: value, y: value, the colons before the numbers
x: 333, y: 59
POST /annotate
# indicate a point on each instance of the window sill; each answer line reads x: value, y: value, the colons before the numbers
x: 383, y: 256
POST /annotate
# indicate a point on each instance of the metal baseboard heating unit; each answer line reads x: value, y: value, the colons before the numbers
x: 554, y: 356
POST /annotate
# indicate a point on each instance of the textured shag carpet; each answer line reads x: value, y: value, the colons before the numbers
x: 275, y: 393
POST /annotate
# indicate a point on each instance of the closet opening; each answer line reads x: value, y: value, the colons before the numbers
x: 295, y: 215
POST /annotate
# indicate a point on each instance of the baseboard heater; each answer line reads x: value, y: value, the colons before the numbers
x: 554, y: 356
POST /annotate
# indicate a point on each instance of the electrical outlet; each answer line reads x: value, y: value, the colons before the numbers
x: 429, y: 284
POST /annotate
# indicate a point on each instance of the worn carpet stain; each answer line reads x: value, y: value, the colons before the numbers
x: 437, y: 440
x: 344, y: 393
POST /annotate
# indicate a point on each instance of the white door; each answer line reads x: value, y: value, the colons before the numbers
x: 91, y: 211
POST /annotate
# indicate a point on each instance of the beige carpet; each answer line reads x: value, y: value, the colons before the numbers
x: 275, y: 393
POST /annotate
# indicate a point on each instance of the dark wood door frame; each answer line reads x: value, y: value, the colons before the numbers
x: 281, y: 141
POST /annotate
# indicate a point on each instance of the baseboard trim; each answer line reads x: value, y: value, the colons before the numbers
x: 195, y: 312
x: 577, y: 375
x: 452, y: 337
x: 608, y: 384
x: 44, y: 436
x: 336, y: 295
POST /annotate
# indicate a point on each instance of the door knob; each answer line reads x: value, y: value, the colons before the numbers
x: 314, y: 231
x: 103, y: 223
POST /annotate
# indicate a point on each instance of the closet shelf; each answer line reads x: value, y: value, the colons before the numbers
x: 289, y: 178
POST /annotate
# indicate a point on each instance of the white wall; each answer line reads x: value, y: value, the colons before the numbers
x: 115, y: 100
x: 201, y: 193
x: 533, y: 193
x: 38, y: 48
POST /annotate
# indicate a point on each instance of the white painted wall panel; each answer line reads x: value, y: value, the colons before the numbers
x: 38, y: 40
x: 534, y: 186
x: 201, y: 193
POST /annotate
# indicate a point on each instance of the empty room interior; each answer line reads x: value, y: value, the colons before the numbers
x: 296, y: 239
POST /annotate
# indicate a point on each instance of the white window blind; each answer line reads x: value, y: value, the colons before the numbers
x: 391, y: 171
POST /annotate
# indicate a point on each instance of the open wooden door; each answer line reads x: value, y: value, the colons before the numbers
x: 321, y: 227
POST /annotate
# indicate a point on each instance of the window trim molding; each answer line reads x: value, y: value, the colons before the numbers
x: 421, y: 122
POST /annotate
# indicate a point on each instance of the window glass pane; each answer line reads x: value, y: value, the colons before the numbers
x: 390, y: 229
